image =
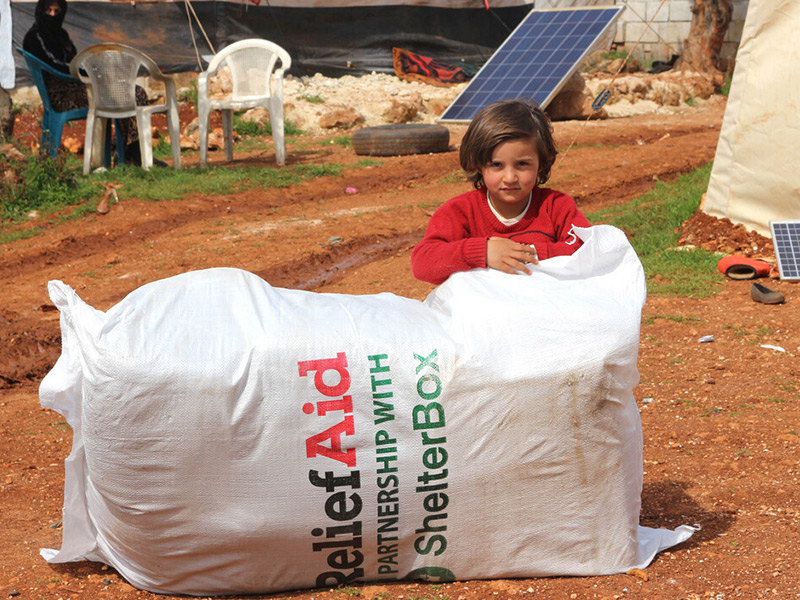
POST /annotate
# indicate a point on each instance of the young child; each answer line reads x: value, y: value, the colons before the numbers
x: 507, y: 220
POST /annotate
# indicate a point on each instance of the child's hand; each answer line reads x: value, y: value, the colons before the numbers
x: 510, y: 257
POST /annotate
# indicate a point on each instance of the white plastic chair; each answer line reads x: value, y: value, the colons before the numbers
x: 109, y: 72
x: 256, y: 80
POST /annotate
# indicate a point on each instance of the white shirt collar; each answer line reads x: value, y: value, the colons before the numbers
x: 512, y: 220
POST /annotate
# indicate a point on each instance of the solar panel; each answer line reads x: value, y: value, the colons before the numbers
x: 535, y: 60
x: 786, y: 240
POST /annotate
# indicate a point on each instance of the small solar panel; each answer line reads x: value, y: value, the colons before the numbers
x: 786, y: 240
x: 535, y: 60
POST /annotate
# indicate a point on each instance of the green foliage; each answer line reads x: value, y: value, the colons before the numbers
x: 343, y: 140
x: 190, y: 94
x: 172, y: 184
x: 614, y: 54
x: 48, y: 186
x: 315, y: 99
x: 652, y: 222
x: 454, y: 177
x: 41, y: 184
x: 725, y: 90
x: 368, y: 162
x: 251, y: 128
x: 162, y: 148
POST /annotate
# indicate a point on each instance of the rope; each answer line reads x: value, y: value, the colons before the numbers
x: 189, y: 8
x: 605, y: 93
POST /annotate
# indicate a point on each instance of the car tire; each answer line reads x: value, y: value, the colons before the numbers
x: 400, y: 139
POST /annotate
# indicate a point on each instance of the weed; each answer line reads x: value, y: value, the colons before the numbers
x: 725, y: 90
x: 343, y: 140
x: 674, y: 318
x: 690, y: 101
x: 615, y: 54
x: 43, y: 184
x: 252, y: 128
x: 454, y: 177
x: 315, y: 99
x: 368, y: 162
x: 189, y: 94
x: 162, y: 148
x: 652, y: 221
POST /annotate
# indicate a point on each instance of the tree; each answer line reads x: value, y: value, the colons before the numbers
x: 701, y: 50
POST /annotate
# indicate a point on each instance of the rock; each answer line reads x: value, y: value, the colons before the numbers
x: 190, y: 142
x: 573, y: 105
x: 11, y: 152
x: 576, y: 83
x: 216, y: 139
x: 633, y: 66
x: 258, y: 115
x: 72, y: 145
x: 343, y: 117
x: 403, y: 111
x: 667, y: 94
x: 615, y: 65
x: 192, y: 128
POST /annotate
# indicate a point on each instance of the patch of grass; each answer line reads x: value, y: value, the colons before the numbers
x: 162, y: 148
x: 368, y: 162
x: 58, y: 188
x: 674, y: 318
x: 43, y: 184
x: 755, y: 336
x: 454, y: 177
x: 189, y: 94
x: 13, y: 236
x: 171, y: 184
x: 725, y: 90
x: 690, y: 101
x: 614, y: 54
x: 345, y: 141
x: 251, y: 128
x: 313, y: 99
x: 652, y: 222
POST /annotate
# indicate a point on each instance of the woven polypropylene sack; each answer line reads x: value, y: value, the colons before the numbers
x: 231, y: 437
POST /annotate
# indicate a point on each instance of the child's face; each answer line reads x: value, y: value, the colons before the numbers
x: 511, y: 175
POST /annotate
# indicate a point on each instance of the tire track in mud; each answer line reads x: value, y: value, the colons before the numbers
x: 31, y: 347
x: 323, y: 268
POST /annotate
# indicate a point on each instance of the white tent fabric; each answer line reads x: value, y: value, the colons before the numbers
x: 7, y: 71
x: 755, y: 176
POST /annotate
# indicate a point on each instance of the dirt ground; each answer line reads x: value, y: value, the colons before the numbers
x: 720, y: 419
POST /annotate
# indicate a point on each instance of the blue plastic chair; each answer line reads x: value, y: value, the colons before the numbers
x: 53, y: 121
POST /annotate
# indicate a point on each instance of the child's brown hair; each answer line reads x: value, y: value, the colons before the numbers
x: 502, y: 121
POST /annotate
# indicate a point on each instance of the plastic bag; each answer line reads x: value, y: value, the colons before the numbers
x: 231, y: 437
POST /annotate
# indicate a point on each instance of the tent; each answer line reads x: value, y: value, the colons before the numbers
x: 756, y: 174
x: 332, y: 37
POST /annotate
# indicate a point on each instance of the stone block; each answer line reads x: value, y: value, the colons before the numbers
x: 680, y: 10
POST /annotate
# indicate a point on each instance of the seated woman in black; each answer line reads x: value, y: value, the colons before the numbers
x: 49, y: 41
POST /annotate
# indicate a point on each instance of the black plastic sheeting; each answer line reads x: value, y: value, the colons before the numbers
x: 330, y: 41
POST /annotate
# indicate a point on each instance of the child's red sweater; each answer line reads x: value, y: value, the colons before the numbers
x: 458, y: 231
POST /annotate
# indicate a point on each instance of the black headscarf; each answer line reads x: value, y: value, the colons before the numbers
x: 47, y: 39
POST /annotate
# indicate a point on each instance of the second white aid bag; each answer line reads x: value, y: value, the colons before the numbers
x: 230, y: 437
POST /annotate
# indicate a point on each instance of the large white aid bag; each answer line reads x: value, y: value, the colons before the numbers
x: 231, y: 437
